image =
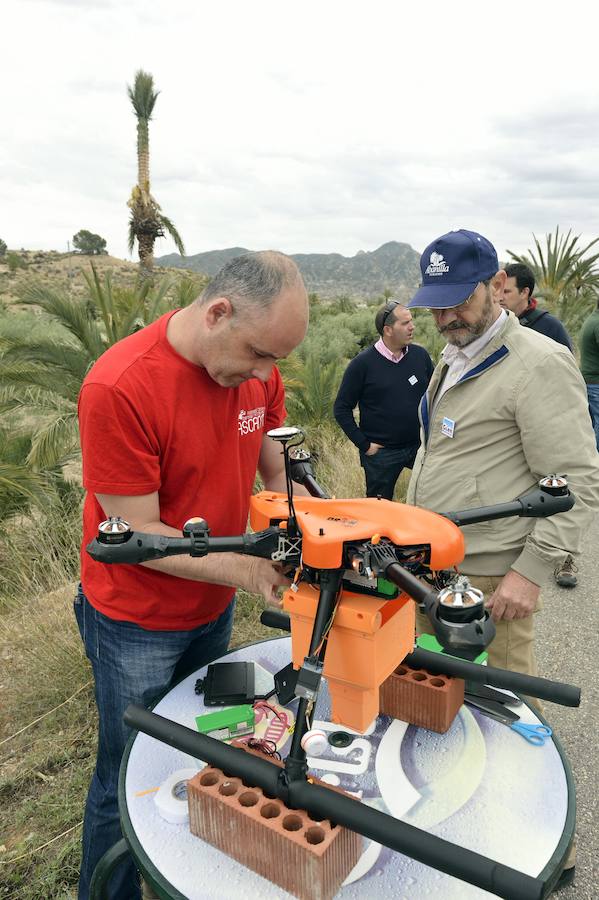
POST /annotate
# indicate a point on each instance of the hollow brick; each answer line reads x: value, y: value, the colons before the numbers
x: 305, y: 857
x: 420, y: 698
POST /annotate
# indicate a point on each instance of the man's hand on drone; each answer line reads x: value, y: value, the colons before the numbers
x: 267, y: 578
x: 515, y: 597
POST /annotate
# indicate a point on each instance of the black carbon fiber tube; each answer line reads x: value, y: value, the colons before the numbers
x: 274, y: 618
x: 419, y: 845
x: 438, y: 663
x: 418, y: 590
x: 535, y: 504
x: 302, y: 473
x: 260, y: 772
x: 323, y: 803
x: 313, y: 487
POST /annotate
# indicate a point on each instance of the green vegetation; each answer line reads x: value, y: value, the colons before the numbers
x: 88, y: 243
x: 566, y: 275
x: 15, y: 261
x: 147, y: 221
x: 2, y: 247
x: 45, y: 356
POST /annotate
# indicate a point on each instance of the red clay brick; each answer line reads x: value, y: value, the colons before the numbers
x: 417, y: 697
x: 307, y: 858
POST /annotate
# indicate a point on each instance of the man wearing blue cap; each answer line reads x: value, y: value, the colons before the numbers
x: 505, y: 406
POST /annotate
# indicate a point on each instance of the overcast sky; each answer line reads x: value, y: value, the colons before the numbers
x: 302, y: 126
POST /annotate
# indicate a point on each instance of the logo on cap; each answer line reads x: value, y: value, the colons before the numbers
x: 437, y: 265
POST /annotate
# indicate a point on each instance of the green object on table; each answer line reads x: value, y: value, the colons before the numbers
x: 386, y: 587
x: 227, y: 723
x: 430, y: 642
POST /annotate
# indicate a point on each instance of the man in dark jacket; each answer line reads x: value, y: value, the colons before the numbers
x: 386, y: 381
x: 517, y: 297
x: 589, y: 365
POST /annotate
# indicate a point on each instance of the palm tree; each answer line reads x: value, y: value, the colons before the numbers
x: 147, y: 221
x: 310, y: 387
x: 43, y: 364
x: 563, y: 271
x: 19, y: 486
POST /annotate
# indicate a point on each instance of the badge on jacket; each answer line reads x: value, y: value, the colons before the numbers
x: 413, y: 380
x: 447, y: 427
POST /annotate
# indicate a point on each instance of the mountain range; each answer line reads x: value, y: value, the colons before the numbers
x: 393, y: 267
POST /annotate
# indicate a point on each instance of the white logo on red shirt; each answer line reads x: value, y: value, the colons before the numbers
x: 251, y: 420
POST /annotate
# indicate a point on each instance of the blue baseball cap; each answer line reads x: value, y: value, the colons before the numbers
x: 452, y: 267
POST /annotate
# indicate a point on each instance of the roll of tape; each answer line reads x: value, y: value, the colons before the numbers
x: 171, y: 797
x: 314, y: 742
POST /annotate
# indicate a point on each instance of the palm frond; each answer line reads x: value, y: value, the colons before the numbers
x: 19, y: 486
x: 157, y: 302
x: 55, y: 444
x: 311, y: 402
x: 170, y: 228
x: 101, y: 297
x: 63, y: 357
x: 35, y: 375
x: 131, y: 235
x: 563, y: 269
x: 69, y: 313
x: 142, y: 95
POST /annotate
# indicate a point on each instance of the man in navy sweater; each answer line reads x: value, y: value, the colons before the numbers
x: 517, y: 297
x: 386, y: 382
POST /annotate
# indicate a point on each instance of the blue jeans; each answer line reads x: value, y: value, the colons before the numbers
x: 384, y: 467
x: 130, y: 665
x: 593, y: 395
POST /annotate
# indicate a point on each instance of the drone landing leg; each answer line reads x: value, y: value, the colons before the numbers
x: 330, y: 582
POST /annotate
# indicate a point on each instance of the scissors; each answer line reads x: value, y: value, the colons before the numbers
x: 534, y: 734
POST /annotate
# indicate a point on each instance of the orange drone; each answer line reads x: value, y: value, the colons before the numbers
x: 358, y: 565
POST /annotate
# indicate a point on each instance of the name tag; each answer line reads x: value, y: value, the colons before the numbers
x: 413, y: 380
x: 448, y: 427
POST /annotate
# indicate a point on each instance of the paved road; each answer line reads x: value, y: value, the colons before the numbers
x: 568, y: 650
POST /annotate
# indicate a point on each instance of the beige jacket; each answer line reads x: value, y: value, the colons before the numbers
x: 519, y: 412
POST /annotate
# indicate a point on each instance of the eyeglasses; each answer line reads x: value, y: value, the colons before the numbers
x: 391, y: 308
x: 460, y: 307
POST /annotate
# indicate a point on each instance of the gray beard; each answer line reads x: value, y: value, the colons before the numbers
x: 474, y: 331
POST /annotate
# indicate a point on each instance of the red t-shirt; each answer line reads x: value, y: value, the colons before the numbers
x: 150, y: 420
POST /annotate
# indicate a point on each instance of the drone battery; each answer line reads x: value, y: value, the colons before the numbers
x: 227, y: 723
x: 228, y: 683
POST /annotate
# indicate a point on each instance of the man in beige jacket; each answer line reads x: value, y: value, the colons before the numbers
x: 504, y: 407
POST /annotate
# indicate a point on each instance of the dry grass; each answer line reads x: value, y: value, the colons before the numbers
x: 338, y: 468
x: 45, y: 768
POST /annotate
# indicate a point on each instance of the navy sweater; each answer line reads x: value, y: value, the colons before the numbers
x: 388, y: 395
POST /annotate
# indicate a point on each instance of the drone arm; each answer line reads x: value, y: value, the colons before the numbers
x: 383, y: 562
x: 300, y: 466
x: 139, y: 547
x: 535, y: 504
x: 529, y: 685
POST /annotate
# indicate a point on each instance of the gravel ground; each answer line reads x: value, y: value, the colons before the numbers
x: 567, y: 650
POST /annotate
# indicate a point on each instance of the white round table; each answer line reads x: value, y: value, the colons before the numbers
x: 481, y: 785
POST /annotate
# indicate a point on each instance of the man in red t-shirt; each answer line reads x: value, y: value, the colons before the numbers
x: 173, y: 423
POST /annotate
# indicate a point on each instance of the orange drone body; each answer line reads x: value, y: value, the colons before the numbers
x: 370, y: 636
x: 327, y: 524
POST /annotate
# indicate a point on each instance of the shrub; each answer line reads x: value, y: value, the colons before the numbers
x: 88, y: 243
x: 14, y: 261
